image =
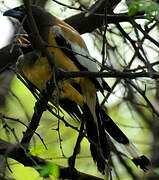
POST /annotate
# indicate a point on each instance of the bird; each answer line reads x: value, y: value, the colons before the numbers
x: 77, y: 96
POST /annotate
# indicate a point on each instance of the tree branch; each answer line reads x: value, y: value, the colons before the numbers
x: 80, y: 21
x: 114, y: 74
x: 46, y: 94
x: 17, y: 153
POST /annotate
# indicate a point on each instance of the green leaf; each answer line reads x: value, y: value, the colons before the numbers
x: 148, y: 7
x: 48, y: 170
x: 156, y: 171
x: 35, y: 151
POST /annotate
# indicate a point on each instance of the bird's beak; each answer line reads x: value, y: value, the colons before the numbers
x: 14, y: 13
x: 23, y: 40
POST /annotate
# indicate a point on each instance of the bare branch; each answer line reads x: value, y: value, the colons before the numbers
x: 17, y: 153
x: 114, y: 74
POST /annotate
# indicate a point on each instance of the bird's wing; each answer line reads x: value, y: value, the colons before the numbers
x: 73, y: 46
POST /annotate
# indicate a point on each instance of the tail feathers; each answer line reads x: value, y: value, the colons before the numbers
x: 98, y: 141
x: 120, y: 140
x: 104, y: 143
x: 98, y: 159
x: 112, y: 129
x: 99, y: 147
x: 71, y: 108
x: 133, y: 153
x: 141, y: 162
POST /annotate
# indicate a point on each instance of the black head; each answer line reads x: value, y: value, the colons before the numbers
x: 42, y: 19
x: 40, y: 15
x: 17, y: 13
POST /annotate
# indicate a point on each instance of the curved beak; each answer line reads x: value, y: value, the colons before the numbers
x: 14, y: 13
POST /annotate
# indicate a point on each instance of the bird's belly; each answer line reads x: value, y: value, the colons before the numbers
x: 39, y: 74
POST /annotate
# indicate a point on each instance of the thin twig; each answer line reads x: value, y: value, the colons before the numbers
x: 16, y: 152
x: 65, y: 5
x: 17, y: 120
x: 72, y: 159
x: 142, y: 93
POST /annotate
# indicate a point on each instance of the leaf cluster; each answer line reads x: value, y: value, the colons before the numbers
x: 148, y: 7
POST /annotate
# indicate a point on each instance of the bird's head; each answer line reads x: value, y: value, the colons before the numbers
x: 42, y: 19
x: 40, y: 15
x: 18, y: 13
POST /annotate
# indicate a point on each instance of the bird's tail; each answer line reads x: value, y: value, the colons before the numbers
x: 121, y: 141
x: 98, y: 134
x: 97, y: 137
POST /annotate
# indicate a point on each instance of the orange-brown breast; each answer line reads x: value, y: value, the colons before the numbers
x: 37, y: 73
x: 40, y: 72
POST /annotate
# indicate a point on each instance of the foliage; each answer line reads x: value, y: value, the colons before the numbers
x: 148, y: 7
x: 48, y: 170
